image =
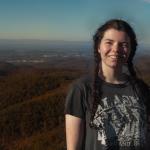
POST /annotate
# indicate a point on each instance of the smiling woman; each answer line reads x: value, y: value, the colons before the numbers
x: 110, y: 108
x: 114, y: 50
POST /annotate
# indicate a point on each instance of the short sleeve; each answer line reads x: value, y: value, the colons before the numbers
x: 75, y: 102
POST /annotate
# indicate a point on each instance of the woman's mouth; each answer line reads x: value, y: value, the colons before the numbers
x: 116, y: 56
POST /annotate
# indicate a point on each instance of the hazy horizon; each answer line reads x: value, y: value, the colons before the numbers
x: 69, y: 20
x: 14, y: 43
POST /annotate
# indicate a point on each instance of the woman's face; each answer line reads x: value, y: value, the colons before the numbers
x: 114, y: 48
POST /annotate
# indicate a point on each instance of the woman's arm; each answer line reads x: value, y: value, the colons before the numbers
x: 74, y: 132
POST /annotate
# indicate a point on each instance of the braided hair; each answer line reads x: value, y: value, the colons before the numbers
x: 119, y: 25
x: 138, y: 85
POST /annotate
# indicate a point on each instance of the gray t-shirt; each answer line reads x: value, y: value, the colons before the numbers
x: 120, y: 118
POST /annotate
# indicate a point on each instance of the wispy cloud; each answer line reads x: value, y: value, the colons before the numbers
x: 147, y: 1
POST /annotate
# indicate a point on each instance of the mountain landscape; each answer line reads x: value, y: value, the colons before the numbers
x: 31, y: 108
x: 32, y: 93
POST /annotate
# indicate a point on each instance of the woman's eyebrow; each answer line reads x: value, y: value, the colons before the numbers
x: 108, y: 40
x: 123, y: 42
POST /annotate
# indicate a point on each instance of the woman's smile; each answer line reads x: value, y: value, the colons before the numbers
x: 114, y: 48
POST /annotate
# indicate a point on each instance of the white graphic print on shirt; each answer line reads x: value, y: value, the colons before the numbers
x: 120, y: 121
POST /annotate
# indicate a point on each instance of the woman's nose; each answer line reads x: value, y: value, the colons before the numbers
x: 116, y: 47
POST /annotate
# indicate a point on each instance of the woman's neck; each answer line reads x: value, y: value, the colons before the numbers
x: 112, y: 75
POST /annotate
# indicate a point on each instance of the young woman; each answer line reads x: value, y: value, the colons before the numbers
x: 110, y: 108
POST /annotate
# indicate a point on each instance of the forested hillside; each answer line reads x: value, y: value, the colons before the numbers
x: 32, y: 105
x: 32, y: 108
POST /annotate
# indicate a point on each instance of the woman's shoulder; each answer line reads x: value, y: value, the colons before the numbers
x: 141, y: 86
x: 138, y: 81
x: 85, y: 81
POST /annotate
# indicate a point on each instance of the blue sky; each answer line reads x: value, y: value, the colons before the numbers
x: 69, y: 20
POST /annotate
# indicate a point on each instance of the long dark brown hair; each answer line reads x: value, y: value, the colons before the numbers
x: 119, y: 25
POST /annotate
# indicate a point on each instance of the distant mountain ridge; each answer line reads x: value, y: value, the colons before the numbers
x: 37, y: 44
x: 8, y: 44
x: 6, y: 68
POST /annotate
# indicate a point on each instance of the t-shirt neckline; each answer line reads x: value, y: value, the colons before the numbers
x: 120, y: 85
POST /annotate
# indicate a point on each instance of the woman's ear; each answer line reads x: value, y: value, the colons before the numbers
x: 99, y: 51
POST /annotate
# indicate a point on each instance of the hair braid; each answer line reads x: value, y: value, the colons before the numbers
x: 138, y: 85
x: 96, y: 83
x: 121, y: 26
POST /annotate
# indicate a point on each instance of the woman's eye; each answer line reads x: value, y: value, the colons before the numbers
x: 108, y: 43
x: 124, y: 45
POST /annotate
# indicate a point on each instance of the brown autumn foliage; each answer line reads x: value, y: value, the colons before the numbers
x: 31, y: 108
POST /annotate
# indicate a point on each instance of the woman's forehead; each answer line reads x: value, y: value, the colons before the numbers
x: 115, y: 35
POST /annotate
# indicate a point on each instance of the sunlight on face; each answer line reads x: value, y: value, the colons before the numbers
x: 114, y: 48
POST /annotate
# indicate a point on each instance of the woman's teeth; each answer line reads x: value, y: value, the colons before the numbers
x: 114, y: 57
x: 117, y: 56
